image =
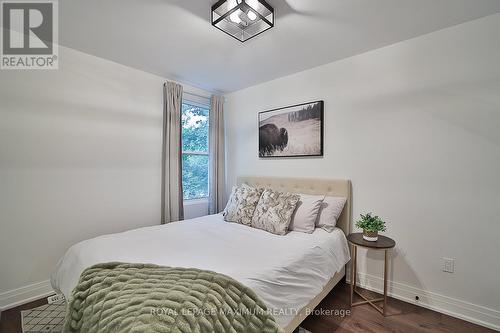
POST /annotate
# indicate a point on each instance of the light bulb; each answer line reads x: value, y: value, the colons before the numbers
x: 235, y: 17
x: 251, y: 15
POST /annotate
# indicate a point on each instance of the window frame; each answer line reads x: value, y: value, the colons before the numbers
x: 189, y: 101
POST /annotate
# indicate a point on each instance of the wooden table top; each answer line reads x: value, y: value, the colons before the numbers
x: 383, y: 242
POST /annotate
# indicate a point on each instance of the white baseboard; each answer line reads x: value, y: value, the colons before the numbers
x: 19, y: 296
x: 450, y: 306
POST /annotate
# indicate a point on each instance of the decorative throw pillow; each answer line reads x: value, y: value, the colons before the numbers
x: 305, y: 215
x: 330, y: 211
x: 241, y: 204
x: 274, y: 211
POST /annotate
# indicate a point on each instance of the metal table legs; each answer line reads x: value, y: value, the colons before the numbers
x: 372, y: 302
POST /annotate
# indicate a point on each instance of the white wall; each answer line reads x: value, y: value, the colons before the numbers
x: 195, y: 208
x: 415, y: 126
x: 80, y: 156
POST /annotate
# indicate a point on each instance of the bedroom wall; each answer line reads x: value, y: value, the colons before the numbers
x: 415, y: 127
x: 80, y: 156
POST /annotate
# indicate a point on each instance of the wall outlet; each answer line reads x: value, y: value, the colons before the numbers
x: 448, y: 265
x: 55, y: 298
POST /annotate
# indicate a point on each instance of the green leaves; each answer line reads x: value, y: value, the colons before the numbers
x: 195, y: 151
x: 194, y: 176
x: 194, y: 128
x: 371, y: 223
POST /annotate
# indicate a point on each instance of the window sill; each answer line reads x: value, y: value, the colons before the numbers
x: 190, y: 202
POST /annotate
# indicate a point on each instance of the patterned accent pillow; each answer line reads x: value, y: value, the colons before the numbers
x: 274, y: 211
x: 241, y: 204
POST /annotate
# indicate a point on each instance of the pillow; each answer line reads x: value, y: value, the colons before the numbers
x: 241, y: 204
x: 274, y: 211
x: 331, y: 208
x: 305, y: 215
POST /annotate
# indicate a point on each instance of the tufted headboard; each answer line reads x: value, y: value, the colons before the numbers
x: 328, y: 187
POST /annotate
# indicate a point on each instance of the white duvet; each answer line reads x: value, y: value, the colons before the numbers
x: 286, y: 272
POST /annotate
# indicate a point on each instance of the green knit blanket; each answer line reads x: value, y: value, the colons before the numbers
x: 119, y: 297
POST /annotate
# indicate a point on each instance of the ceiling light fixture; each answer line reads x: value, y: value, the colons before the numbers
x: 242, y: 19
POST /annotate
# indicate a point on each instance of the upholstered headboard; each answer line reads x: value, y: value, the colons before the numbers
x: 329, y: 187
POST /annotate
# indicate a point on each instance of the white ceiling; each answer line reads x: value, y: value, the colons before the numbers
x: 174, y: 38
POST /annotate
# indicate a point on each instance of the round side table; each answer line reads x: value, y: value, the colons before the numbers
x: 383, y: 243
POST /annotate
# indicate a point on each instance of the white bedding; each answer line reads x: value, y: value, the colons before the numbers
x: 285, y: 271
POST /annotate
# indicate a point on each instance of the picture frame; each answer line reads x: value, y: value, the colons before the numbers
x: 292, y: 131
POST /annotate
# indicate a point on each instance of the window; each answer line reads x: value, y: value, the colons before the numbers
x: 194, y: 150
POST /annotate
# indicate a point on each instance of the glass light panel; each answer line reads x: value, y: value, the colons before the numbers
x: 259, y: 7
x: 270, y: 18
x: 223, y: 8
x: 231, y: 29
x: 256, y: 28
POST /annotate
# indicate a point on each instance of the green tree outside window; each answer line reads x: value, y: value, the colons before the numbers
x: 194, y: 151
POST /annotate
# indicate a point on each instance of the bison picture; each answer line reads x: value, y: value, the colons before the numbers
x: 292, y: 131
x: 271, y: 138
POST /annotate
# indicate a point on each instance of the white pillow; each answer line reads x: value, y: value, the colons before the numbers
x: 306, y: 213
x: 330, y: 211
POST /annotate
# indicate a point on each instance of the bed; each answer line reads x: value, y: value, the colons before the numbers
x: 290, y: 273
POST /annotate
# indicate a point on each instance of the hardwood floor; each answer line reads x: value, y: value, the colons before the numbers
x: 10, y: 320
x: 402, y: 318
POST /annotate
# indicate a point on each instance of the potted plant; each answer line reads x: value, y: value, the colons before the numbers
x: 371, y: 225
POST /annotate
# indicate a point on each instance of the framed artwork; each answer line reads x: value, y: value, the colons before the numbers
x: 292, y: 131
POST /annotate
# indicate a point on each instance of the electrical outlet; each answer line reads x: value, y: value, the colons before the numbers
x: 55, y: 298
x: 448, y: 265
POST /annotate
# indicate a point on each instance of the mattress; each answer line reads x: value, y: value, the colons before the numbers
x: 286, y: 272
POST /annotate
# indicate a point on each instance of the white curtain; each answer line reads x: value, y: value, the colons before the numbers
x: 217, y: 161
x: 171, y: 199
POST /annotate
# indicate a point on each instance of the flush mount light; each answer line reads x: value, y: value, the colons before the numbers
x: 242, y: 19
